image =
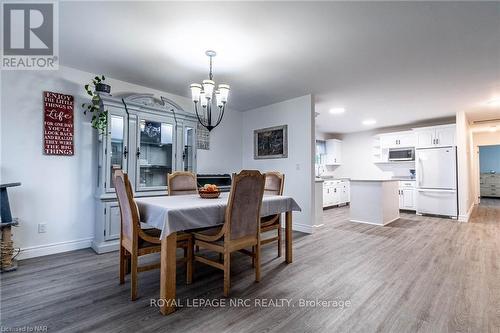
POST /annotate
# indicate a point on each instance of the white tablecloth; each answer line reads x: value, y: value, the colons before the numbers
x: 185, y: 212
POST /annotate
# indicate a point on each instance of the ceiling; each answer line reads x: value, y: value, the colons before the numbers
x: 397, y: 63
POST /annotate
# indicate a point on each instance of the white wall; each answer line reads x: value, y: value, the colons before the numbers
x: 465, y: 171
x: 357, y: 160
x: 298, y: 114
x: 59, y: 190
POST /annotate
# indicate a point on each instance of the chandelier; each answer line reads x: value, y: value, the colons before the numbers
x: 203, y: 94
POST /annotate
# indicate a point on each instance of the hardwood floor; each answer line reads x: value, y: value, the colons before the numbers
x: 419, y: 274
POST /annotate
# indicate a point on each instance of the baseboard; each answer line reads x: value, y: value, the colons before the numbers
x: 44, y: 250
x: 306, y: 228
x: 105, y: 247
x: 372, y: 223
x: 466, y: 217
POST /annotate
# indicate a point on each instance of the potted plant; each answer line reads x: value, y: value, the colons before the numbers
x: 99, y: 115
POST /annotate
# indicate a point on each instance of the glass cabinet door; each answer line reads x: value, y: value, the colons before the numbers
x: 116, y: 146
x: 189, y: 149
x: 154, y: 154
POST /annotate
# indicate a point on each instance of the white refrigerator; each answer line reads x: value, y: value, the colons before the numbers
x: 436, y: 173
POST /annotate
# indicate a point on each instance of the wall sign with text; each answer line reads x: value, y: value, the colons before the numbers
x: 58, y: 128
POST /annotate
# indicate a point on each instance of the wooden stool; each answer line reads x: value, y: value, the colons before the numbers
x: 7, y: 264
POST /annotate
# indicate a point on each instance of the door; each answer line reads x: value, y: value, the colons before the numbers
x: 425, y: 138
x: 333, y: 152
x: 189, y: 149
x: 336, y: 190
x: 155, y: 153
x: 338, y: 152
x: 388, y: 141
x: 113, y: 220
x: 407, y: 199
x: 344, y: 194
x: 326, y: 197
x: 116, y: 147
x: 406, y: 140
x: 436, y: 168
x: 439, y: 202
x: 445, y: 136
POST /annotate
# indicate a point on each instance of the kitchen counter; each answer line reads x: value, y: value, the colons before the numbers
x: 374, y: 201
x: 374, y: 180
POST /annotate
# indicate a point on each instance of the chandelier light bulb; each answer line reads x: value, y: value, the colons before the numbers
x: 224, y: 91
x: 208, y: 88
x: 203, y: 99
x: 218, y: 98
x: 195, y: 92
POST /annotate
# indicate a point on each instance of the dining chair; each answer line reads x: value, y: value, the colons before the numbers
x: 182, y: 183
x: 275, y: 182
x: 136, y: 242
x: 241, y: 228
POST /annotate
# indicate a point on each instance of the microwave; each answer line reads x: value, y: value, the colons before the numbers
x: 402, y: 154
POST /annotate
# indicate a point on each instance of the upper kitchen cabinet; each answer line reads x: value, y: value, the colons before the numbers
x: 333, y: 152
x: 435, y: 136
x: 398, y: 140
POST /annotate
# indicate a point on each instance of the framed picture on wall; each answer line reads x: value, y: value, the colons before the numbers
x: 271, y: 142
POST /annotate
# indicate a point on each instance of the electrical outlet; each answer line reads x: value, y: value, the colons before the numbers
x: 42, y: 228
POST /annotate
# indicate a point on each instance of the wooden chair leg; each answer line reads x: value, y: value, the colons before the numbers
x: 123, y: 263
x: 128, y: 263
x: 279, y: 242
x: 133, y: 277
x: 253, y: 257
x: 227, y: 272
x: 189, y: 262
x: 257, y: 262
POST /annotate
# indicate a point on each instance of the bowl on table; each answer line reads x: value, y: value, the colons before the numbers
x: 209, y: 191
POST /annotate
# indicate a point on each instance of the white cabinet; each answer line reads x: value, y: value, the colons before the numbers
x: 407, y: 195
x: 436, y: 136
x: 335, y: 192
x: 397, y: 140
x: 445, y: 136
x: 425, y: 137
x: 333, y: 152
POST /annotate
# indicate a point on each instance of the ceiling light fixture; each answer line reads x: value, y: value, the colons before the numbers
x: 369, y: 122
x: 337, y: 110
x: 203, y: 94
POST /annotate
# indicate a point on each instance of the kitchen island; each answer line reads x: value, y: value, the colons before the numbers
x: 374, y: 201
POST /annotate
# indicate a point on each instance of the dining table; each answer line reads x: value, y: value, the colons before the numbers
x: 172, y: 214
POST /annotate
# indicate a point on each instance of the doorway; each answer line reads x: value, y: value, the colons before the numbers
x: 489, y: 171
